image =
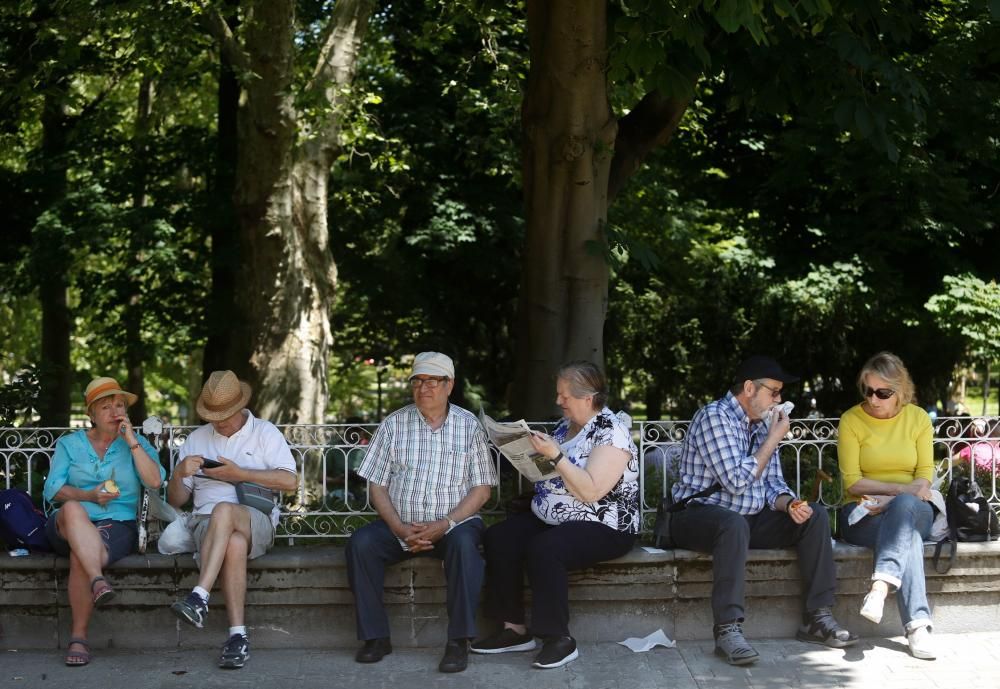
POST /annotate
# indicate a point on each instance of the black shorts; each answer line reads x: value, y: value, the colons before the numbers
x: 120, y: 538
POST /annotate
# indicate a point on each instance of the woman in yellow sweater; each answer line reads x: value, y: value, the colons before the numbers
x: 885, y: 453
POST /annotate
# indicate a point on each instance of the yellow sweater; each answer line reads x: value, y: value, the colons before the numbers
x: 896, y: 450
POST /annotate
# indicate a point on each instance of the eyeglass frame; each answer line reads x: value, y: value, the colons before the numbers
x: 431, y: 383
x: 878, y: 392
x: 775, y: 392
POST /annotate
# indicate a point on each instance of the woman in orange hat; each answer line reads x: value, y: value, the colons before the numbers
x: 97, y: 476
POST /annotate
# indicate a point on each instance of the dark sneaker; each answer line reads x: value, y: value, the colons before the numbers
x: 456, y: 656
x: 505, y: 641
x: 192, y: 609
x: 820, y: 627
x: 235, y: 653
x: 556, y: 652
x: 732, y: 645
x: 373, y: 650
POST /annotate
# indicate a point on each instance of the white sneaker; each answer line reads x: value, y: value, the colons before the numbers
x: 872, y: 608
x: 922, y: 643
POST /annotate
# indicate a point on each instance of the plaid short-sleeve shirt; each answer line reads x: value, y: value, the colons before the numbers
x: 428, y: 472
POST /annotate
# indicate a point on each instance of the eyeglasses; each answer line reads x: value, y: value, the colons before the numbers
x: 429, y: 383
x: 881, y: 393
x: 775, y: 392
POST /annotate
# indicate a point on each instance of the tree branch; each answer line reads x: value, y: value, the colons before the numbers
x: 341, y: 42
x: 650, y: 124
x: 217, y: 26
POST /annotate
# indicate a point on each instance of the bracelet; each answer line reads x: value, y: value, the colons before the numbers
x: 558, y: 458
x: 132, y: 447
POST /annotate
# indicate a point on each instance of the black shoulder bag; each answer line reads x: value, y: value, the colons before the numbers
x: 965, y: 523
x: 661, y: 528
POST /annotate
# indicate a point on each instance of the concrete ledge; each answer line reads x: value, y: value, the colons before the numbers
x: 299, y: 597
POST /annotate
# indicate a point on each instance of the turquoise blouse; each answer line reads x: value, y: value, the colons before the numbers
x: 75, y: 463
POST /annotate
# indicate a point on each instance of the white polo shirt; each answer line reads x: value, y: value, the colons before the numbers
x: 258, y: 445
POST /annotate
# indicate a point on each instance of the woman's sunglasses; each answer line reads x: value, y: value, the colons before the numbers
x: 881, y: 393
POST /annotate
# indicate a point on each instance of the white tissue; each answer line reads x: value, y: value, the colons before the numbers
x: 861, y: 511
x: 785, y: 407
x: 657, y: 638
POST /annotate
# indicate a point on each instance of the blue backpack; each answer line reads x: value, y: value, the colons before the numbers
x: 22, y: 525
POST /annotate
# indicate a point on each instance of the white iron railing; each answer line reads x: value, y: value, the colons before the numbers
x: 330, y: 502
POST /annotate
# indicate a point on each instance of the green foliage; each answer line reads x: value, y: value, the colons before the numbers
x: 426, y: 206
x: 19, y: 398
x: 970, y: 307
x: 837, y: 161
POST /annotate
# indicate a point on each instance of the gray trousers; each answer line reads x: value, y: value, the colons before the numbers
x: 728, y: 536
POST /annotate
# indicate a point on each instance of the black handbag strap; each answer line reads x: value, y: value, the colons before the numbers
x: 681, y: 504
x: 952, y: 540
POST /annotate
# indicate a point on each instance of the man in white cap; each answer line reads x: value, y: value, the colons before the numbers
x: 234, y: 447
x: 731, y: 470
x: 429, y: 470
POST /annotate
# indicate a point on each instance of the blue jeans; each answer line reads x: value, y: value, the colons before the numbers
x: 897, y: 537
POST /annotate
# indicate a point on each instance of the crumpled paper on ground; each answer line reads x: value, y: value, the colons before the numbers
x: 657, y: 551
x: 657, y: 638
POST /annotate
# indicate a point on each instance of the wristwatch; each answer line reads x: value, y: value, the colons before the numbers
x: 451, y: 522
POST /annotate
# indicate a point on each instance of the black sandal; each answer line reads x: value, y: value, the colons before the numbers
x: 77, y: 658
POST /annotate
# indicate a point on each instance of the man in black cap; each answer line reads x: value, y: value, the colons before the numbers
x: 733, y: 444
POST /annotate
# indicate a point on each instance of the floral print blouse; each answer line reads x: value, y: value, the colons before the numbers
x: 619, y: 509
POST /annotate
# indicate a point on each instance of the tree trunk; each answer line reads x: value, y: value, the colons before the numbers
x: 576, y: 157
x: 286, y: 284
x: 569, y: 135
x: 52, y: 259
x: 135, y: 354
x: 223, y: 350
x: 654, y: 402
x: 986, y: 387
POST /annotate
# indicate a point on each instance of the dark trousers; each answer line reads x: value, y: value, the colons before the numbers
x: 374, y: 547
x: 523, y: 543
x: 728, y: 535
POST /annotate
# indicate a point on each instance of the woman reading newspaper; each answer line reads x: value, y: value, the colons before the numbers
x: 587, y: 513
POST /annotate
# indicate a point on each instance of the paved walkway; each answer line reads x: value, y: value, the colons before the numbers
x: 966, y: 661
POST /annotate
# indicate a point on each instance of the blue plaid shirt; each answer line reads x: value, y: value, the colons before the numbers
x: 719, y: 447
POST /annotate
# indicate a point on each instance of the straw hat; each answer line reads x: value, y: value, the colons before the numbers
x: 102, y: 387
x: 222, y: 396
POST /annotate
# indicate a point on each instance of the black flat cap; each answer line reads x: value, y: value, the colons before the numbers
x: 757, y: 367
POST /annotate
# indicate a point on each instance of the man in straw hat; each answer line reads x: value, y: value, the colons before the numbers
x: 233, y: 447
x: 429, y: 471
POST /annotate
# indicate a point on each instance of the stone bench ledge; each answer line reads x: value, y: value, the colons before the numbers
x: 325, y: 556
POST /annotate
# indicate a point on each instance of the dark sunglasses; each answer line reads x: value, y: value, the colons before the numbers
x: 881, y: 393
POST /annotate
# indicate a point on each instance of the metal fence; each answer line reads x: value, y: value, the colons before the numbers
x: 331, y: 501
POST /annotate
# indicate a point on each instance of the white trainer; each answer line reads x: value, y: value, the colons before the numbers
x: 922, y: 643
x: 872, y: 608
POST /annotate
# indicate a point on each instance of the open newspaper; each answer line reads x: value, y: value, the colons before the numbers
x: 513, y: 441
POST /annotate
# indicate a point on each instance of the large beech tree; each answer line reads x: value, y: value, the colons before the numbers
x: 649, y: 59
x: 286, y: 278
x: 576, y: 156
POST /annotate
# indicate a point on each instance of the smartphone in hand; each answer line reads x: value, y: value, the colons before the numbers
x: 210, y: 464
